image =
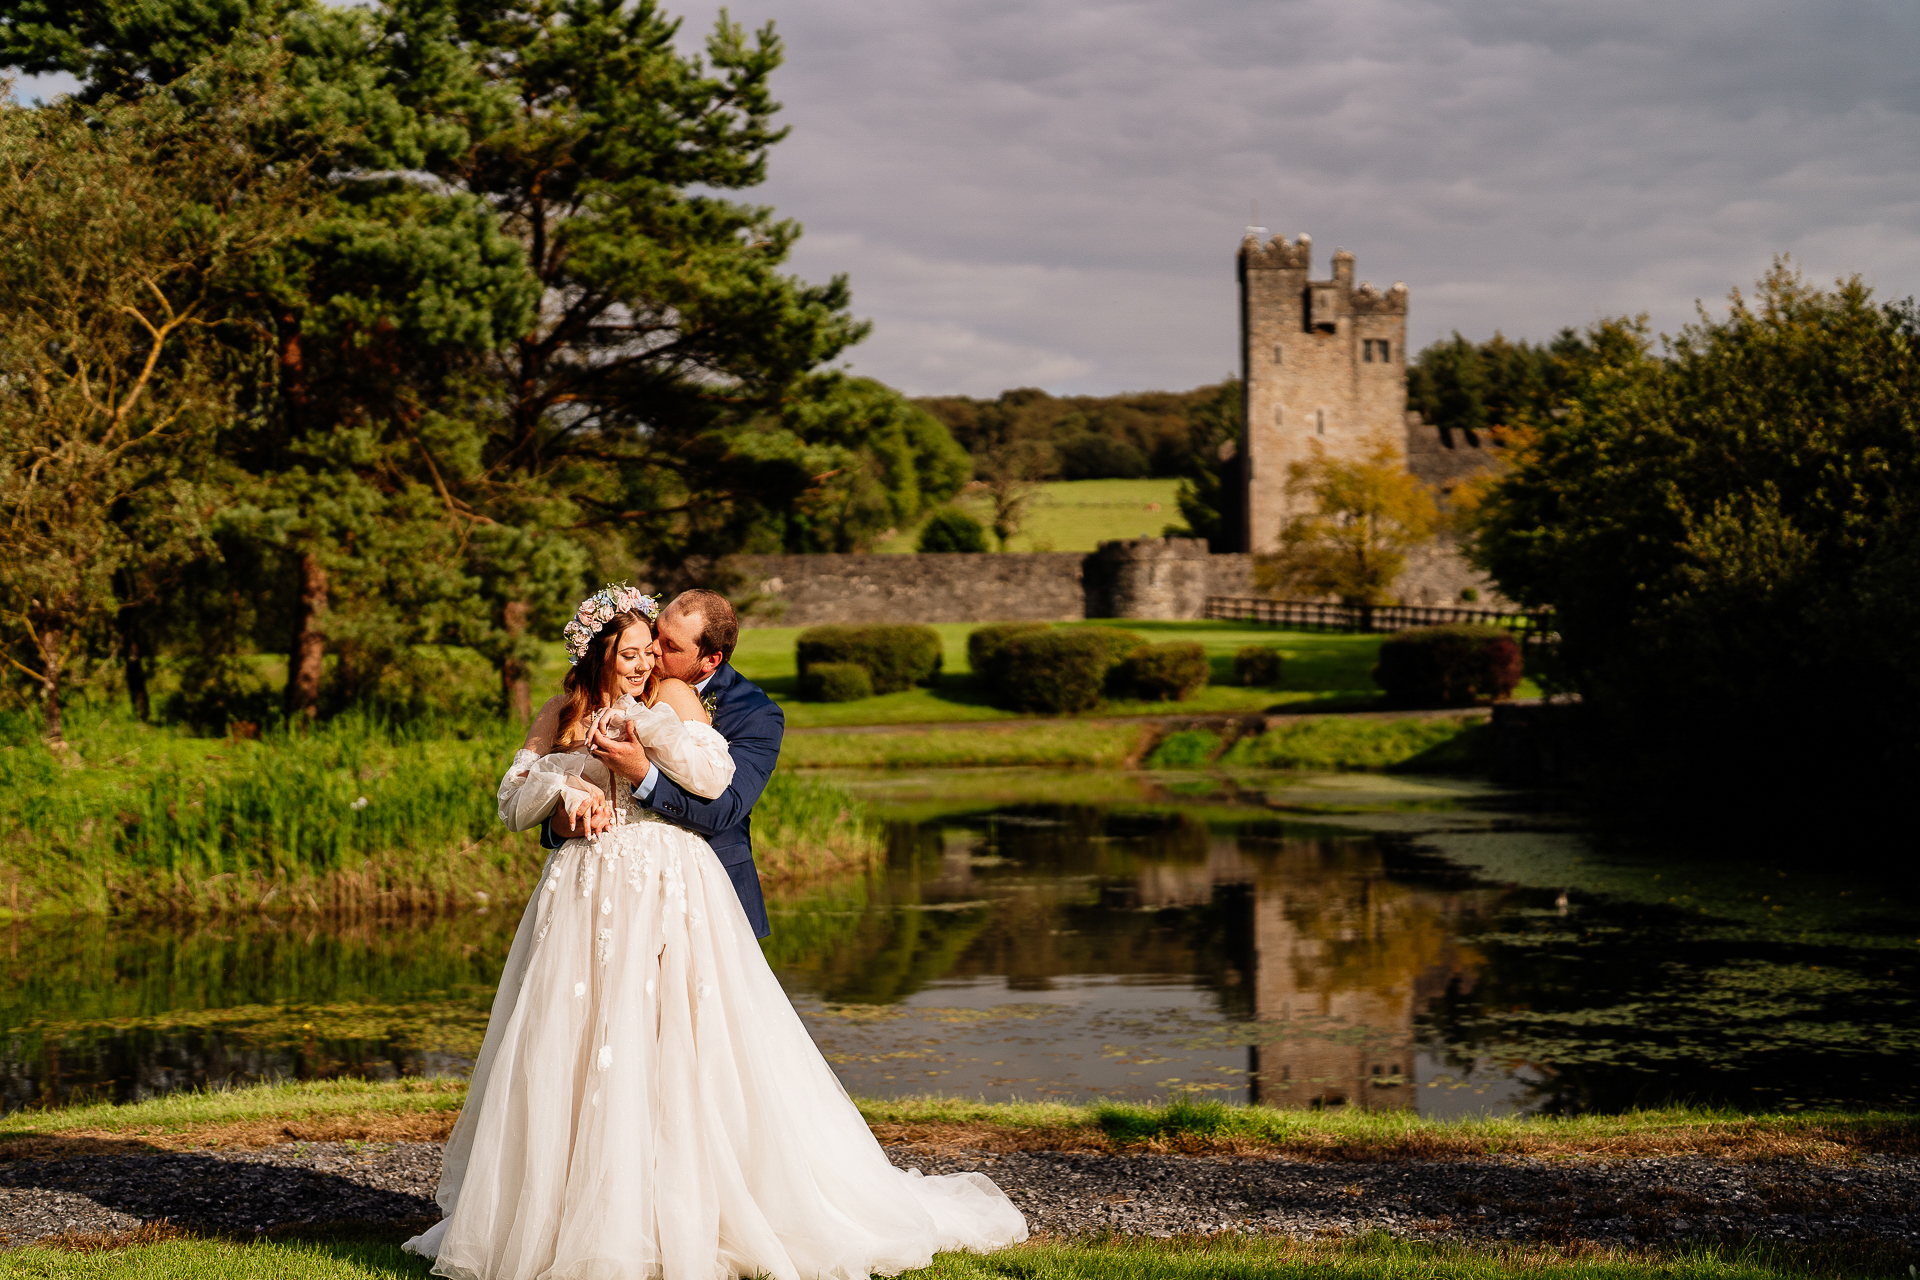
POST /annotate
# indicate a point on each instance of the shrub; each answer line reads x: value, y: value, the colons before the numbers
x: 836, y: 682
x: 986, y: 646
x: 952, y: 530
x: 1256, y: 667
x: 1052, y: 671
x: 1163, y: 672
x: 1448, y: 666
x: 895, y: 657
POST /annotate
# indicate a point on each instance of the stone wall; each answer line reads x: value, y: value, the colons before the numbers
x: 806, y: 591
x: 1167, y: 578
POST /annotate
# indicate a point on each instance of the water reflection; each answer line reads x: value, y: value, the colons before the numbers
x: 1372, y: 943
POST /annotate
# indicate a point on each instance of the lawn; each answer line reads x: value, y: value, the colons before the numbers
x: 1074, y: 515
x: 1330, y: 670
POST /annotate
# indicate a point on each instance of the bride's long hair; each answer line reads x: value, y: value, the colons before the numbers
x: 586, y: 682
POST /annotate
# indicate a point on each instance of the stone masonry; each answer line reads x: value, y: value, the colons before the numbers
x: 1325, y: 367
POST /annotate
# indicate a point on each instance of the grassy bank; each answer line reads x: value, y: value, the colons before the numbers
x: 1448, y: 744
x: 414, y: 1109
x: 1072, y: 515
x: 355, y: 814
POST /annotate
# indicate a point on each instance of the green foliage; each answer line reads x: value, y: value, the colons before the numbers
x: 950, y: 531
x: 1212, y: 494
x: 1052, y: 671
x: 1727, y: 537
x: 1091, y: 437
x: 1354, y: 522
x: 1256, y: 667
x: 1162, y: 672
x: 1187, y: 749
x: 987, y: 647
x: 895, y: 657
x: 1454, y: 666
x: 1485, y: 388
x: 836, y: 682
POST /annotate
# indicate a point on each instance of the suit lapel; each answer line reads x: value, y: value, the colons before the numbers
x: 717, y: 688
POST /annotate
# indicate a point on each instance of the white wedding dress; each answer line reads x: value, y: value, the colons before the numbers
x: 646, y: 1102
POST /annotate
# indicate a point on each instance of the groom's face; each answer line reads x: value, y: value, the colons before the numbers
x: 676, y: 648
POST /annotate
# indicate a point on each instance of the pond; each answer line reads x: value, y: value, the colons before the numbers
x: 1343, y: 940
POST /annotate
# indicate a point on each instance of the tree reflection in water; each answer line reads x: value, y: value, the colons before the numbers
x: 1118, y: 948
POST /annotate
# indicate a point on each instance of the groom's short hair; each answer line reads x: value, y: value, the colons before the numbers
x: 719, y: 629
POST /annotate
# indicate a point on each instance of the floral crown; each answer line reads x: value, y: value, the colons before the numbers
x: 600, y: 608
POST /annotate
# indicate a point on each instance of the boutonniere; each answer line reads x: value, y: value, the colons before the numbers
x: 709, y: 702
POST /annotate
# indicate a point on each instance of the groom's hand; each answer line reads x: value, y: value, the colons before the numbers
x: 627, y: 758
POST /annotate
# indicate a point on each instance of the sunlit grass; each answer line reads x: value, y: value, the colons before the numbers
x: 1381, y: 1257
x: 1041, y: 743
x: 355, y: 812
x: 1073, y: 515
x: 347, y: 1254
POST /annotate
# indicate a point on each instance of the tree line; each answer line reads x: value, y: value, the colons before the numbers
x: 340, y: 331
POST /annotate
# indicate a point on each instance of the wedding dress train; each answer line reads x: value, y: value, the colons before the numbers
x: 646, y: 1102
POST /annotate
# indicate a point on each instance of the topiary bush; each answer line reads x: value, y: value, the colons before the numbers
x: 836, y: 682
x: 1448, y: 666
x: 1256, y: 667
x: 895, y: 657
x: 1170, y: 672
x: 986, y: 646
x: 1051, y: 671
x: 952, y: 530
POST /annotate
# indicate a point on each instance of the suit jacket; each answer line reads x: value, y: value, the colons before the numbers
x: 753, y: 724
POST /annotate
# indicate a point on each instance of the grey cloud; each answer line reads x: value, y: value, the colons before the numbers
x: 1060, y: 186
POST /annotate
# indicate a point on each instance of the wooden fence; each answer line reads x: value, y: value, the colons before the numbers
x: 1320, y: 615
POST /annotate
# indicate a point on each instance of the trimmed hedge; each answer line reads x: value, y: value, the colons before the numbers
x: 836, y: 682
x: 986, y: 647
x: 1256, y: 667
x: 895, y: 657
x: 1053, y: 671
x: 1029, y: 666
x: 1448, y: 666
x: 1171, y: 672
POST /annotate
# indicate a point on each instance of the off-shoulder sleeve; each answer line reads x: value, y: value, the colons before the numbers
x: 536, y: 785
x: 693, y: 755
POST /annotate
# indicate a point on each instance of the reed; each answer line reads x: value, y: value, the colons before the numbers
x: 357, y: 814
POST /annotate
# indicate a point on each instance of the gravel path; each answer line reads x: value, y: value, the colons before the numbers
x: 1062, y: 1193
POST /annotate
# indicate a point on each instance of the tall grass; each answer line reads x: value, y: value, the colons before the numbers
x: 356, y: 813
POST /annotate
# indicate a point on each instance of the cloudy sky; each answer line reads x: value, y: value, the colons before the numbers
x: 1050, y: 192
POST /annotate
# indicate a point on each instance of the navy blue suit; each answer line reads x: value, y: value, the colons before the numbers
x: 753, y: 724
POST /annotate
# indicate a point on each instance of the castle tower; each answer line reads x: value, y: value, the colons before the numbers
x: 1323, y: 362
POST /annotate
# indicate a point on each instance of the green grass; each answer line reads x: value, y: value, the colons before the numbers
x: 1073, y: 515
x: 138, y: 817
x: 1046, y: 743
x: 1329, y: 670
x: 1450, y: 745
x: 197, y: 1108
x: 1380, y: 1257
x: 344, y: 1258
x: 370, y: 1252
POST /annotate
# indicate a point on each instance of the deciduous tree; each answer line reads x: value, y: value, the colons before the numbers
x: 1350, y: 527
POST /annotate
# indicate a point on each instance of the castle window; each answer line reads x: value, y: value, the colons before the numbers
x: 1373, y: 349
x: 1276, y: 353
x: 1320, y: 421
x: 1279, y: 417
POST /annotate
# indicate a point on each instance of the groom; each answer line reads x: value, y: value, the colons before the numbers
x: 693, y: 640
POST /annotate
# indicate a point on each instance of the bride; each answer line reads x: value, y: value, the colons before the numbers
x: 646, y: 1102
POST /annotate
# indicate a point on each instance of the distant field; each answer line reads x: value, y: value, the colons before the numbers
x: 1076, y: 515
